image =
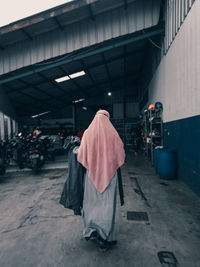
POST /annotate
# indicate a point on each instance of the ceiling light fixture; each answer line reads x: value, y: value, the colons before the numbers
x: 71, y: 76
x: 62, y: 79
x: 85, y: 108
x: 78, y: 100
x: 109, y: 93
x: 77, y: 74
x: 38, y: 115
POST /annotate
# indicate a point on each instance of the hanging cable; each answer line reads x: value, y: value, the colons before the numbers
x: 154, y: 44
x: 150, y: 40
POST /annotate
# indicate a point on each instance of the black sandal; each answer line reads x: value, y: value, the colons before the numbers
x: 103, y: 244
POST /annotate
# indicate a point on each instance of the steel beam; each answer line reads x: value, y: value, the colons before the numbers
x: 58, y: 24
x: 125, y: 4
x: 27, y: 34
x: 75, y: 83
x: 37, y: 102
x: 94, y: 65
x: 107, y: 71
x: 56, y: 85
x: 41, y: 100
x: 63, y: 95
x: 85, y: 67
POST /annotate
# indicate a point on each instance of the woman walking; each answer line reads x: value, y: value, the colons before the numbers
x: 102, y: 153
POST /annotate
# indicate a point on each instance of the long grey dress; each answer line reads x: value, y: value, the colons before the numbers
x: 99, y: 209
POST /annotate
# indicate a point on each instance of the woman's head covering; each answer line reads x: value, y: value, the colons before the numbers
x: 101, y: 151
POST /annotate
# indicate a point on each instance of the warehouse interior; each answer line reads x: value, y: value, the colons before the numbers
x: 137, y: 59
x: 115, y: 66
x: 110, y: 69
x: 108, y: 64
x: 115, y: 70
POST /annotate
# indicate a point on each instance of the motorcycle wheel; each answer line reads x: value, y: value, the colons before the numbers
x: 2, y: 170
x: 35, y: 166
x: 52, y: 157
x: 21, y: 165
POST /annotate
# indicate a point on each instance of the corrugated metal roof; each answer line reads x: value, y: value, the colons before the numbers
x: 49, y: 38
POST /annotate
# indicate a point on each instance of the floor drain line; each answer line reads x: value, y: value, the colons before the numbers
x: 54, y: 177
x: 165, y: 184
x: 139, y: 191
x: 167, y: 259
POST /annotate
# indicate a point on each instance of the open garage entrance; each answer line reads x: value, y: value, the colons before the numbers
x: 114, y: 73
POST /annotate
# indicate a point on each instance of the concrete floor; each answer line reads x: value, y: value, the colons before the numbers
x: 35, y: 230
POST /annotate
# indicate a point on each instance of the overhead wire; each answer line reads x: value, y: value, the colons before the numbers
x: 67, y: 56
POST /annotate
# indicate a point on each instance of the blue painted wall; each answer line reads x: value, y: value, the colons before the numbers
x: 184, y: 137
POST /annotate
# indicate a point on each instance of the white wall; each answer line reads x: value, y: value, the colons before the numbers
x: 176, y: 82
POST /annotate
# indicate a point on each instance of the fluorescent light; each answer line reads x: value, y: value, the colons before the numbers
x: 71, y: 76
x: 78, y: 100
x: 77, y: 74
x: 62, y: 79
x: 37, y: 115
x: 109, y: 93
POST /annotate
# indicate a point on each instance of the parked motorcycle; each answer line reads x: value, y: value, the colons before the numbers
x: 48, y: 148
x: 2, y: 157
x: 27, y: 152
x: 35, y: 155
x: 17, y: 150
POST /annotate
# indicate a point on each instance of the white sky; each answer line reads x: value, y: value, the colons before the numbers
x: 13, y: 10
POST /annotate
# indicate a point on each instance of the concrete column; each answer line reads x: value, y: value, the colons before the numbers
x: 1, y: 126
x: 16, y: 127
x: 9, y: 127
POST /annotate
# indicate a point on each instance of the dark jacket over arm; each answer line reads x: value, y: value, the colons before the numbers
x: 72, y: 194
x: 73, y: 190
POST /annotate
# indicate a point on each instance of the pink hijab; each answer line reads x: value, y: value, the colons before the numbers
x: 101, y: 151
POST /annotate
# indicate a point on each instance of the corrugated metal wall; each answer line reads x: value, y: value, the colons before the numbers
x: 176, y: 82
x: 175, y: 14
x: 139, y: 15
